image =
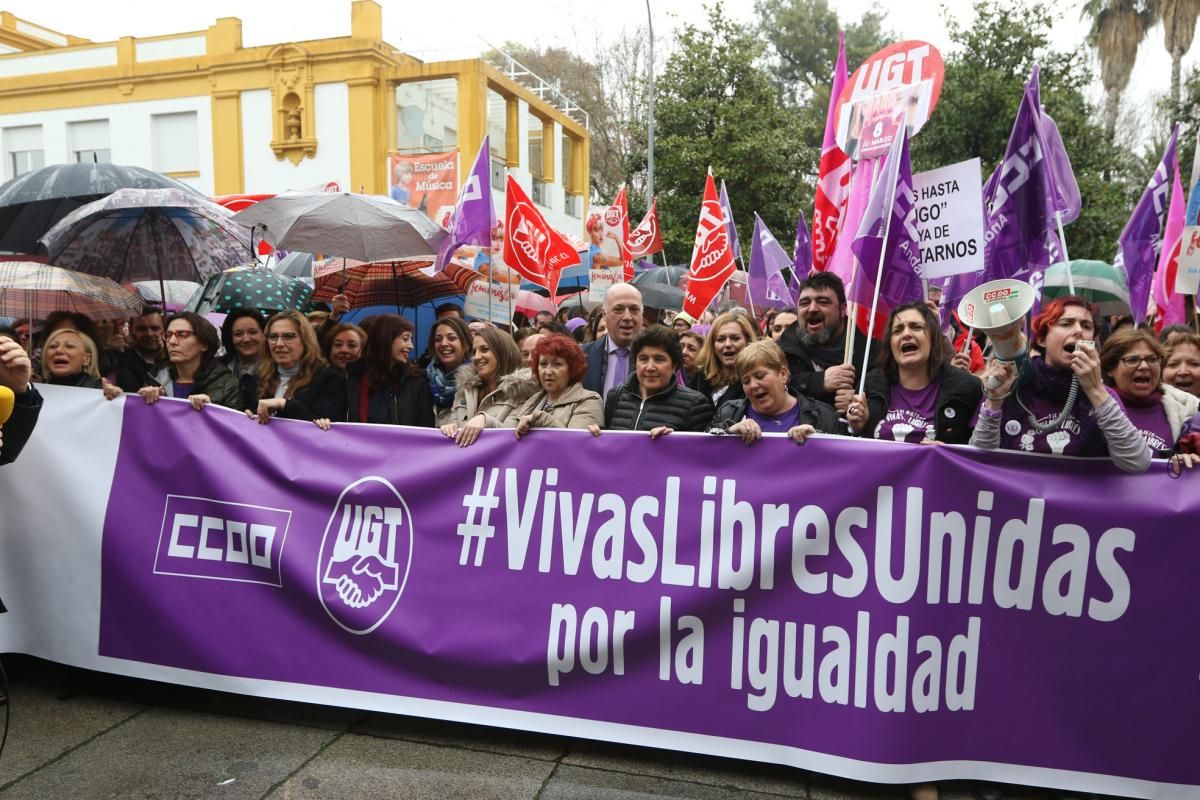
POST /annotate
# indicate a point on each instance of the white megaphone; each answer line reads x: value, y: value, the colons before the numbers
x: 998, y: 308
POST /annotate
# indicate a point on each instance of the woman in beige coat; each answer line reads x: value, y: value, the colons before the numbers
x: 562, y: 402
x: 490, y: 389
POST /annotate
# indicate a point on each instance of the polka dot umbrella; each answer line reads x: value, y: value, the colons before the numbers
x: 250, y: 287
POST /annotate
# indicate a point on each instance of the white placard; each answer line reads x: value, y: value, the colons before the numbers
x: 1187, y: 275
x: 599, y: 280
x: 948, y: 209
x: 496, y: 309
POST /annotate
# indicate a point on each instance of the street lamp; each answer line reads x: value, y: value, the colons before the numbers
x: 650, y: 120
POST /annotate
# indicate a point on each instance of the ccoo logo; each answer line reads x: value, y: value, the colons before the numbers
x: 365, y: 555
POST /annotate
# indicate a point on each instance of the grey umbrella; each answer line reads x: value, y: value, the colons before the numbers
x: 358, y: 226
x: 296, y: 264
x: 33, y: 203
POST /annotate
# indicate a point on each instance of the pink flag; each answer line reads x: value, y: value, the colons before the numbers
x: 1170, y: 304
x: 833, y: 177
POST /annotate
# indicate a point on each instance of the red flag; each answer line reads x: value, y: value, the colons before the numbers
x: 712, y: 257
x: 645, y: 239
x: 531, y: 246
x: 616, y: 217
x: 833, y: 177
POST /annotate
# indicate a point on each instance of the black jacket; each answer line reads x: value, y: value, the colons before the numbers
x: 411, y: 403
x: 958, y: 398
x: 26, y: 407
x: 699, y: 382
x: 812, y: 412
x: 133, y: 372
x: 324, y: 398
x: 677, y: 407
x: 803, y: 361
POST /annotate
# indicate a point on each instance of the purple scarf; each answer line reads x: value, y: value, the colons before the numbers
x: 1043, y: 391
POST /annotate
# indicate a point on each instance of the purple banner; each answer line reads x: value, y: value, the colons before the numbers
x: 989, y: 615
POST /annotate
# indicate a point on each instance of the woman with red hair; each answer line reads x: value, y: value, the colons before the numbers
x: 559, y: 366
x: 1059, y: 403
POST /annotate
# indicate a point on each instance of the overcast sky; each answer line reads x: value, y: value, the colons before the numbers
x: 435, y: 31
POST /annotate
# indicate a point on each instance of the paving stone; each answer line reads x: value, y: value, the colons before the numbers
x: 476, y: 737
x: 689, y: 767
x: 579, y: 783
x: 369, y: 767
x: 176, y: 755
x: 43, y: 727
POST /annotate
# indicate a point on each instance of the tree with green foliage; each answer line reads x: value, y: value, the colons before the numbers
x: 984, y: 81
x: 716, y: 105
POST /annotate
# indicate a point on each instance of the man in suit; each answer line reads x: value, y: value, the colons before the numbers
x: 608, y: 357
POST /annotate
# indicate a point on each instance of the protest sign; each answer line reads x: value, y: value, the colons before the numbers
x: 876, y: 610
x: 896, y: 89
x: 489, y: 301
x: 1187, y: 278
x: 600, y: 280
x: 948, y: 209
x: 427, y: 182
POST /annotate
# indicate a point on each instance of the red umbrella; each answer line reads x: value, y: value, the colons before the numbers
x: 392, y: 283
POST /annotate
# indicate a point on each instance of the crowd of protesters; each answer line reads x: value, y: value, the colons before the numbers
x: 1128, y: 395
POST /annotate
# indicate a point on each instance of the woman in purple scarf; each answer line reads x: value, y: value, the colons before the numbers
x: 1059, y: 404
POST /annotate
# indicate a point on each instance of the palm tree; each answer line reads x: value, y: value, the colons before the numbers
x: 1179, y: 27
x: 1118, y: 28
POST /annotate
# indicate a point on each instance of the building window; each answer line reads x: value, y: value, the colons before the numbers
x: 89, y: 141
x: 497, y: 125
x: 176, y: 141
x: 533, y: 125
x: 425, y: 110
x: 539, y: 191
x: 499, y: 170
x: 23, y: 150
x: 574, y: 206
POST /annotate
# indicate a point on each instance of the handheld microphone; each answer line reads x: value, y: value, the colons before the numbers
x: 7, y: 398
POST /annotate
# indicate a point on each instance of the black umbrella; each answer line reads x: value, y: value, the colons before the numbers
x: 662, y: 296
x: 33, y: 203
x: 662, y: 276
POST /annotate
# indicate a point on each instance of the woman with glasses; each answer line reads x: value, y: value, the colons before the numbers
x: 194, y: 372
x: 293, y: 380
x: 1132, y: 361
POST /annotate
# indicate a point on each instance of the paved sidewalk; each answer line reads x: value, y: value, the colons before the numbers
x: 112, y: 737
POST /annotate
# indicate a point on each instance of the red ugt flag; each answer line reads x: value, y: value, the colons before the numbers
x: 645, y: 239
x: 833, y: 176
x: 531, y: 246
x: 712, y: 257
x: 617, y: 217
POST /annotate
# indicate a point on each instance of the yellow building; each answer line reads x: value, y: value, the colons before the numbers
x: 229, y: 119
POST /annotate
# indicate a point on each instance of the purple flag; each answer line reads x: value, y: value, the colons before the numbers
x: 1141, y: 241
x: 802, y: 255
x: 1033, y: 184
x: 896, y: 241
x: 734, y: 244
x: 474, y: 215
x: 767, y: 262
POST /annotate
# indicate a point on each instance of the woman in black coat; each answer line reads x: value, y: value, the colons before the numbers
x: 293, y: 381
x: 651, y: 399
x: 385, y: 386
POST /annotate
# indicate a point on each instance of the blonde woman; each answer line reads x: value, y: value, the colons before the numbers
x: 70, y: 358
x: 293, y: 381
x: 716, y: 375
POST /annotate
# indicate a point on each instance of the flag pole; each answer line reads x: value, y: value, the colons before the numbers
x: 1062, y: 241
x: 887, y: 230
x: 852, y: 308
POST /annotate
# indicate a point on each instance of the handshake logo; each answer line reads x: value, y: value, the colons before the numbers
x: 365, y: 555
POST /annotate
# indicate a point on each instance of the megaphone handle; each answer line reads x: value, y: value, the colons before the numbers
x: 967, y: 343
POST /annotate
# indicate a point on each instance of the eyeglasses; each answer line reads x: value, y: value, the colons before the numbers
x: 1136, y: 361
x: 182, y: 336
x: 283, y: 337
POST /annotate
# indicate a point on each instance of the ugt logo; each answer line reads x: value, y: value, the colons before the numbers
x: 365, y: 555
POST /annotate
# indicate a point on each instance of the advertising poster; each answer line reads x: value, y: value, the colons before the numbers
x: 426, y: 182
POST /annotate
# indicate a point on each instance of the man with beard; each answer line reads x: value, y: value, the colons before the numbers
x: 815, y: 345
x: 138, y: 366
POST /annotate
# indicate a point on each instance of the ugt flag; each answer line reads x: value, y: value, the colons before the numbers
x: 886, y: 240
x: 617, y: 219
x: 833, y: 176
x: 712, y: 257
x: 645, y: 239
x: 474, y: 216
x: 1141, y: 242
x: 531, y: 246
x: 1034, y: 185
x: 767, y: 262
